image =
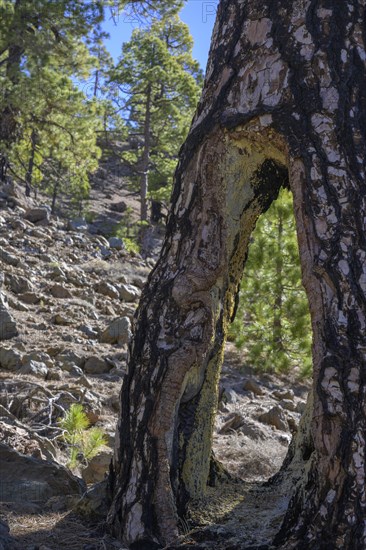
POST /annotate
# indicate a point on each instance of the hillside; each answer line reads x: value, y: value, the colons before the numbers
x: 68, y: 297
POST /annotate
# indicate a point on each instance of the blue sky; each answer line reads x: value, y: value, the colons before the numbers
x: 198, y: 14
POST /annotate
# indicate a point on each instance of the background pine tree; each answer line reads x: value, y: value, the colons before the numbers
x: 272, y: 323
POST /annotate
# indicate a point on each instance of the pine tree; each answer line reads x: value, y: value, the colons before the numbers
x: 57, y: 148
x: 48, y: 128
x: 159, y: 84
x: 272, y: 322
x: 31, y: 32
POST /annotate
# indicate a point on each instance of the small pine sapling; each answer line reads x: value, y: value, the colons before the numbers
x: 83, y: 441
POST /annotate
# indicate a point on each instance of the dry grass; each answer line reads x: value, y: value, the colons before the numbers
x: 56, y: 531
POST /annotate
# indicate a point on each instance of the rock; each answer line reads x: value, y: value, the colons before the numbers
x: 98, y: 466
x: 229, y: 395
x: 37, y: 233
x: 128, y: 293
x: 275, y: 417
x: 8, y: 327
x: 18, y: 306
x: 233, y: 423
x: 38, y: 356
x: 54, y: 374
x: 253, y: 386
x: 35, y: 368
x: 118, y: 332
x: 57, y: 272
x: 105, y: 252
x: 300, y: 407
x: 96, y: 365
x: 30, y: 298
x: 75, y: 371
x: 107, y: 289
x: 116, y: 242
x: 293, y: 424
x: 6, y: 541
x: 24, y: 440
x: 95, y: 503
x: 253, y: 430
x: 38, y: 214
x: 119, y: 206
x: 8, y: 258
x: 59, y: 291
x: 77, y: 224
x: 89, y: 332
x: 284, y: 394
x: 287, y: 404
x: 61, y: 504
x: 18, y: 284
x: 31, y: 479
x: 69, y: 358
x: 10, y: 359
x: 61, y: 320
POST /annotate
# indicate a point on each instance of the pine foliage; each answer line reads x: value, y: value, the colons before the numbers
x: 272, y: 324
x: 83, y: 442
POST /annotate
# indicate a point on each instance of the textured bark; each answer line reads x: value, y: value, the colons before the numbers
x: 285, y: 95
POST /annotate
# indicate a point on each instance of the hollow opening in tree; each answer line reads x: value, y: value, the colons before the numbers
x: 267, y: 365
x: 272, y: 325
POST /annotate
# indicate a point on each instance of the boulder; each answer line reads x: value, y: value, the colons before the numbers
x: 95, y: 503
x: 116, y: 242
x: 288, y: 404
x: 234, y: 422
x: 60, y: 291
x: 284, y: 394
x: 54, y: 374
x: 300, y: 407
x: 10, y: 359
x: 253, y: 430
x: 96, y: 365
x: 38, y: 214
x: 105, y: 288
x: 98, y: 466
x: 35, y: 368
x: 253, y: 386
x: 8, y: 258
x: 30, y: 298
x: 118, y: 206
x: 23, y: 440
x: 128, y: 293
x: 77, y: 224
x: 275, y: 417
x: 69, y: 358
x: 61, y: 320
x: 18, y: 284
x: 118, y: 332
x: 6, y: 541
x: 39, y: 357
x: 8, y: 327
x: 29, y: 479
x: 89, y: 331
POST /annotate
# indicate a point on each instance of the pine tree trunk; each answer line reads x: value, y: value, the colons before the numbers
x: 29, y: 174
x: 285, y: 95
x: 144, y: 182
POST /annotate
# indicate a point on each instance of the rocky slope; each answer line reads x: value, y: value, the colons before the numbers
x: 67, y: 300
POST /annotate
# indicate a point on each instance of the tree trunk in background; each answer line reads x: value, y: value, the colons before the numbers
x: 144, y: 181
x: 29, y: 174
x: 8, y: 121
x: 285, y: 94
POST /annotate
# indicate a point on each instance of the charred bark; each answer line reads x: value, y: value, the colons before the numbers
x: 285, y: 94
